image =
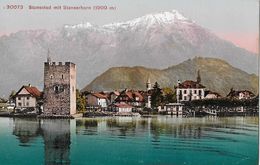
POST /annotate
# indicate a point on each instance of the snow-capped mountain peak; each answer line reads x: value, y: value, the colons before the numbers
x: 79, y: 26
x: 162, y: 18
x: 151, y: 19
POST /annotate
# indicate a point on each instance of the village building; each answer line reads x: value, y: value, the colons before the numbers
x: 59, y: 89
x: 132, y: 98
x: 211, y: 95
x: 26, y: 99
x: 121, y: 108
x: 241, y: 94
x: 96, y: 101
x: 174, y: 109
x: 190, y: 90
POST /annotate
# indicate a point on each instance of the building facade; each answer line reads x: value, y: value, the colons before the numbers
x: 189, y: 90
x: 96, y: 101
x: 26, y: 98
x: 59, y: 88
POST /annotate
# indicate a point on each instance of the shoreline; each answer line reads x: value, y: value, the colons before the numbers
x: 100, y: 114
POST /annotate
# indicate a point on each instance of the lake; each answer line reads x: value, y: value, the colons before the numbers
x: 160, y: 140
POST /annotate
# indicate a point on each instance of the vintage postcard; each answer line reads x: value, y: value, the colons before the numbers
x: 108, y: 82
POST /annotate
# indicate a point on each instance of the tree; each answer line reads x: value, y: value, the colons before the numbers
x: 12, y: 96
x: 169, y: 95
x: 80, y: 101
x: 156, y: 96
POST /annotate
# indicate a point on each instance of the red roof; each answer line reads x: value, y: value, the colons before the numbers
x: 32, y: 90
x: 130, y: 96
x: 190, y: 84
x: 115, y: 92
x: 99, y: 95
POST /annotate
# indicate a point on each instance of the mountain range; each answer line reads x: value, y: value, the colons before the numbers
x: 215, y: 78
x: 155, y: 40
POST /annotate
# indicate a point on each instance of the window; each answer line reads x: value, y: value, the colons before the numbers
x: 56, y: 89
x: 185, y: 98
x: 184, y: 91
x: 19, y: 104
x: 51, y: 76
x: 62, y: 76
x: 180, y: 92
x: 19, y: 98
x: 199, y: 92
x: 27, y: 104
x: 195, y: 91
x: 28, y: 98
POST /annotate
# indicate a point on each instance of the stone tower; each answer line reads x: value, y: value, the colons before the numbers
x: 59, y: 88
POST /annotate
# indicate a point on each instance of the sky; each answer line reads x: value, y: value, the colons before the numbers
x: 233, y: 20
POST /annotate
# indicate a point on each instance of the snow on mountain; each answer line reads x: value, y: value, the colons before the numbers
x: 155, y: 40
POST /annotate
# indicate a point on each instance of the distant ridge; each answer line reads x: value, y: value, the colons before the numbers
x: 217, y: 75
x: 156, y: 40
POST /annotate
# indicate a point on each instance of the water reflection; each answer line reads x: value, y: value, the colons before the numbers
x: 55, y: 134
x: 198, y: 135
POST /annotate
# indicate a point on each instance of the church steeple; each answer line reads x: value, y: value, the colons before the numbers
x: 148, y: 84
x: 198, y: 77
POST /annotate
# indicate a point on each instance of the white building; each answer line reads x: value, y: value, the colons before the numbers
x: 189, y: 90
x: 96, y: 100
x: 123, y: 108
x: 26, y: 98
x: 174, y: 108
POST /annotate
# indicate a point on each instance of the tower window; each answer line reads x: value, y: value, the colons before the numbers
x: 56, y: 89
x: 51, y: 76
x: 62, y: 76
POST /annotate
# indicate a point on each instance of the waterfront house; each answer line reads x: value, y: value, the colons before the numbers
x: 27, y: 98
x: 96, y: 101
x: 189, y: 90
x: 174, y: 108
x: 121, y: 107
x: 131, y: 97
x: 241, y: 95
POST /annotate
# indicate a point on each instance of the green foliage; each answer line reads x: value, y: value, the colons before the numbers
x: 156, y: 96
x: 80, y: 102
x: 12, y: 94
x: 223, y: 102
x: 169, y: 95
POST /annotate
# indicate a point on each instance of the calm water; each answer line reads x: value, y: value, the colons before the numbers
x: 150, y: 141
